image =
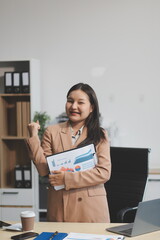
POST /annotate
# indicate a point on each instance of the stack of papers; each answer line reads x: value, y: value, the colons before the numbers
x: 14, y: 227
x: 84, y: 236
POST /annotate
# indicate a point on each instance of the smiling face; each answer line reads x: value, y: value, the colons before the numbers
x: 78, y: 107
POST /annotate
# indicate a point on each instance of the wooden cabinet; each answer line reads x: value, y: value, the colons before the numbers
x: 16, y: 111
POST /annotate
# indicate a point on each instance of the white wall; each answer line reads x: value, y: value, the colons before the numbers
x: 111, y: 44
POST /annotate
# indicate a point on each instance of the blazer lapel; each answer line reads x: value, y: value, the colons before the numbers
x: 65, y: 136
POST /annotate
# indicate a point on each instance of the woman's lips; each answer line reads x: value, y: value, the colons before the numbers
x: 74, y: 113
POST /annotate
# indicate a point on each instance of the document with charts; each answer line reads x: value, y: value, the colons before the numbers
x: 76, y: 159
x: 87, y: 236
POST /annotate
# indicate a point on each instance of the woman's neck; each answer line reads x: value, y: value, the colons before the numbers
x: 76, y: 126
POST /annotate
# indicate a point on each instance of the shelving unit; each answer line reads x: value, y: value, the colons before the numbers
x: 16, y: 111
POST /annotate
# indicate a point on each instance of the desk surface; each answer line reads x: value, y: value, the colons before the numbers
x: 94, y: 228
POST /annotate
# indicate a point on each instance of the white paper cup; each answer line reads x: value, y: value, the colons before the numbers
x: 27, y: 220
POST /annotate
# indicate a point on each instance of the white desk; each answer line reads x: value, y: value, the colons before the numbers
x: 94, y: 228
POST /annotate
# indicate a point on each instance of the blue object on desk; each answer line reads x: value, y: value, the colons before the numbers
x: 47, y: 235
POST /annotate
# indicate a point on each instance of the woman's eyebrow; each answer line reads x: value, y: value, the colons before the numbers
x: 80, y: 99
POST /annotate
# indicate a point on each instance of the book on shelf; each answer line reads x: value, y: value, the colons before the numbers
x: 19, y: 118
x: 23, y: 118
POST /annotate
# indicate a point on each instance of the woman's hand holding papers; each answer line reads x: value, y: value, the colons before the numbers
x: 56, y: 178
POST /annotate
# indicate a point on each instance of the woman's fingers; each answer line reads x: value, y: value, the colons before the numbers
x: 56, y: 178
x: 33, y: 128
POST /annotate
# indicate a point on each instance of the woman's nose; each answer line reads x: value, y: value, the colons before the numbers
x: 74, y: 105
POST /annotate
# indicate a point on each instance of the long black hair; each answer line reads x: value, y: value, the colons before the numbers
x: 94, y: 132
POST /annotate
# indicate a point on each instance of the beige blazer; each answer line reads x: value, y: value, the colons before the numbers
x: 84, y: 197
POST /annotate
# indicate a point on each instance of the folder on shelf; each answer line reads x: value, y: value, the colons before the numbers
x: 27, y: 177
x: 16, y: 82
x: 19, y: 118
x: 18, y: 177
x: 28, y: 115
x: 25, y: 82
x: 25, y: 118
x: 8, y: 82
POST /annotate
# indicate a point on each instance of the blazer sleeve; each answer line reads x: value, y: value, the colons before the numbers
x: 37, y: 153
x: 98, y: 175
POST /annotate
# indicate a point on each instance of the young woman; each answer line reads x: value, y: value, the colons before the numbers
x: 84, y: 197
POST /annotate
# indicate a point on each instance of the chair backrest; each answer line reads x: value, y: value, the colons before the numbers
x: 128, y: 179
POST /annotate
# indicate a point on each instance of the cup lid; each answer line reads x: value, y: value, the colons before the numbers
x: 27, y: 214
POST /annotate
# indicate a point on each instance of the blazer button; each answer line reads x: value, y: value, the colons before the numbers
x: 79, y: 199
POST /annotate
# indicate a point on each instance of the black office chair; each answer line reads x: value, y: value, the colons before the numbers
x: 126, y: 186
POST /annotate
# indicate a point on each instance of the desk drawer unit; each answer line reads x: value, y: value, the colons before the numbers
x: 13, y: 202
x: 16, y: 197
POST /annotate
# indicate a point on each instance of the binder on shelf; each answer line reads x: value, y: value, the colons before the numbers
x: 18, y: 177
x: 27, y: 177
x: 16, y: 82
x: 28, y: 116
x: 8, y: 82
x: 19, y: 118
x: 25, y: 82
x: 24, y: 119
